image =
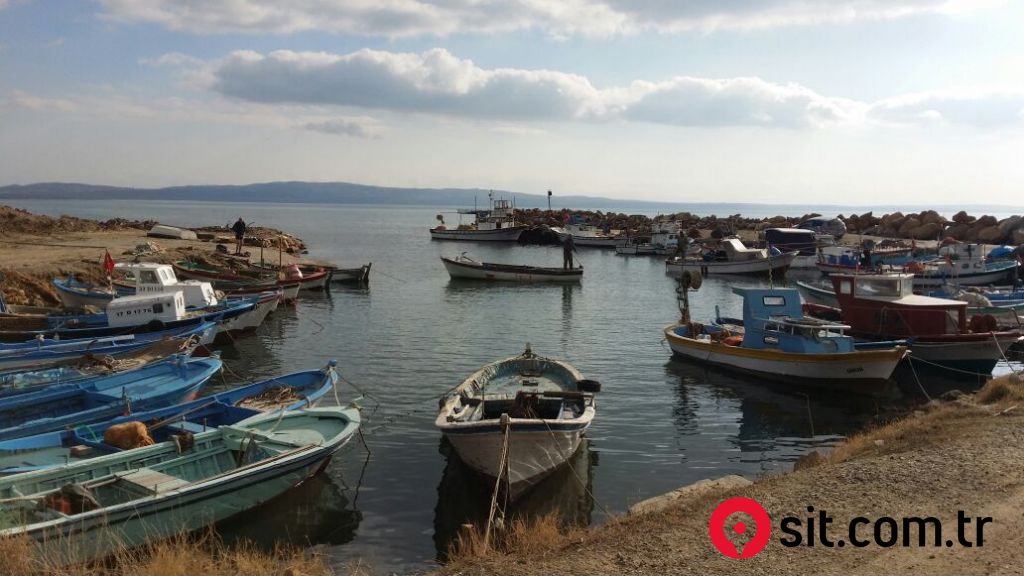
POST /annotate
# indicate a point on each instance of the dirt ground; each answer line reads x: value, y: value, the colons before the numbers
x: 960, y: 456
x: 35, y: 249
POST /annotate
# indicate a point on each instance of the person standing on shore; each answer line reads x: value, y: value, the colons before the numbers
x: 568, y: 247
x: 239, y: 230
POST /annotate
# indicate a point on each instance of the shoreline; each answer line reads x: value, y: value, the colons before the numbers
x: 918, y: 466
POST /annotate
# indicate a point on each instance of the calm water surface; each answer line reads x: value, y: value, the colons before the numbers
x: 415, y: 333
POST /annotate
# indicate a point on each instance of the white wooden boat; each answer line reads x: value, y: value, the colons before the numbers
x: 734, y: 258
x: 464, y: 267
x: 496, y: 224
x: 587, y: 235
x: 538, y: 407
x: 173, y: 232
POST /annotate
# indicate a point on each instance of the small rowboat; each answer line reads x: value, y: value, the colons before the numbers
x: 170, y: 382
x: 538, y: 407
x: 464, y: 267
x: 288, y: 392
x: 132, y: 497
x: 313, y: 280
x: 360, y: 275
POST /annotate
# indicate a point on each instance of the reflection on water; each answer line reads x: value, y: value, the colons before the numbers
x: 464, y: 496
x: 318, y: 511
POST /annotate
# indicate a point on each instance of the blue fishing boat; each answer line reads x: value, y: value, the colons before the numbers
x: 149, y: 387
x: 776, y: 341
x: 37, y: 353
x: 132, y: 497
x: 288, y: 392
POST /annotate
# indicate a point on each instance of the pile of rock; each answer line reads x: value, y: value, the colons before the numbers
x: 930, y: 225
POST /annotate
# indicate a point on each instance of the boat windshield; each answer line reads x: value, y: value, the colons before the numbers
x: 875, y: 287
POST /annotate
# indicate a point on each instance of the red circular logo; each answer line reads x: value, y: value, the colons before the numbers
x: 762, y: 528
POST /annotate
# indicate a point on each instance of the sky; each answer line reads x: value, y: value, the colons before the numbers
x: 855, y: 102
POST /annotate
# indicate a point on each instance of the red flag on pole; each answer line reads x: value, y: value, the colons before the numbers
x: 108, y: 262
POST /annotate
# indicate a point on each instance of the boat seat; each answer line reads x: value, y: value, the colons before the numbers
x: 153, y: 481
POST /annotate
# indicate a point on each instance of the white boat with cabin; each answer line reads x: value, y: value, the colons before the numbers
x: 496, y: 224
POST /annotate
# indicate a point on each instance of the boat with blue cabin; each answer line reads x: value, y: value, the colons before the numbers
x: 776, y: 341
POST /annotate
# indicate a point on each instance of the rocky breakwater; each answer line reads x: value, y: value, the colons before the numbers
x: 930, y: 225
x: 692, y: 225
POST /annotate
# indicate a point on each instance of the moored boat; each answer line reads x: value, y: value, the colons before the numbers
x: 732, y: 257
x: 170, y: 382
x: 776, y: 341
x: 136, y: 496
x: 533, y: 409
x: 588, y: 235
x: 463, y: 267
x: 495, y: 224
x: 883, y: 306
x: 287, y: 392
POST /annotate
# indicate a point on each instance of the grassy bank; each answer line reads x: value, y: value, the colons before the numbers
x: 183, y: 556
x: 960, y: 453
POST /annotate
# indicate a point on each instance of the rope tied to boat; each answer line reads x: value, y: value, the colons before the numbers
x: 506, y: 426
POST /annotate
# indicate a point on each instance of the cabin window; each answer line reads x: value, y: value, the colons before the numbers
x: 877, y: 287
x: 158, y: 308
x: 148, y: 276
x: 773, y: 301
x: 771, y: 340
x: 845, y: 287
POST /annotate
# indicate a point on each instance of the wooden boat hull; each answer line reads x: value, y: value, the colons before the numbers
x: 502, y: 273
x: 590, y: 241
x: 252, y: 319
x: 179, y: 506
x: 759, y: 266
x: 984, y: 278
x: 867, y: 371
x: 510, y: 234
x: 537, y: 449
x: 359, y: 275
x: 74, y: 297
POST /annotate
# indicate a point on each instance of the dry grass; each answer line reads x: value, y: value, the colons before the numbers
x: 1001, y: 390
x: 180, y: 556
x: 534, y: 537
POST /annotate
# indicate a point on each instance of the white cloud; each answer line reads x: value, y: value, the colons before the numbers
x: 980, y: 108
x: 355, y: 127
x: 438, y: 82
x: 171, y: 59
x: 396, y: 18
x: 41, y: 104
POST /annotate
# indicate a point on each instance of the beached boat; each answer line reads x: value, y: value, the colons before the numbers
x: 533, y: 409
x: 732, y: 257
x: 171, y: 382
x: 88, y: 509
x: 287, y: 392
x: 883, y: 306
x: 74, y: 293
x: 591, y: 236
x: 464, y: 267
x: 313, y: 280
x: 172, y: 232
x: 776, y: 341
x: 495, y: 224
x: 38, y: 353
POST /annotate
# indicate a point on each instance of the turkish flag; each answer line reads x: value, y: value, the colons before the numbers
x: 108, y: 262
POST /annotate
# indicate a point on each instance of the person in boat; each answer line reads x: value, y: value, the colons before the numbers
x: 568, y: 247
x: 239, y: 229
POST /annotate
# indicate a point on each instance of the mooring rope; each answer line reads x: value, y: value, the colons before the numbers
x: 506, y: 425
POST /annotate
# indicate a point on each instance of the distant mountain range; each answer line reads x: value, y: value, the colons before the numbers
x: 349, y: 193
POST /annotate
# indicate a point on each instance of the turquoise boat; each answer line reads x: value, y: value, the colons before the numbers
x: 89, y: 509
x: 287, y: 392
x: 156, y: 385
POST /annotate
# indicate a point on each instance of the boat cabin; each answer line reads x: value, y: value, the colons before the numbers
x: 665, y: 234
x: 790, y: 239
x: 773, y: 319
x: 885, y: 304
x: 160, y: 278
x: 145, y: 308
x: 733, y: 250
x: 501, y: 214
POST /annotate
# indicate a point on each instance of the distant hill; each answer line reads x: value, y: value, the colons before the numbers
x: 349, y: 193
x: 314, y: 193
